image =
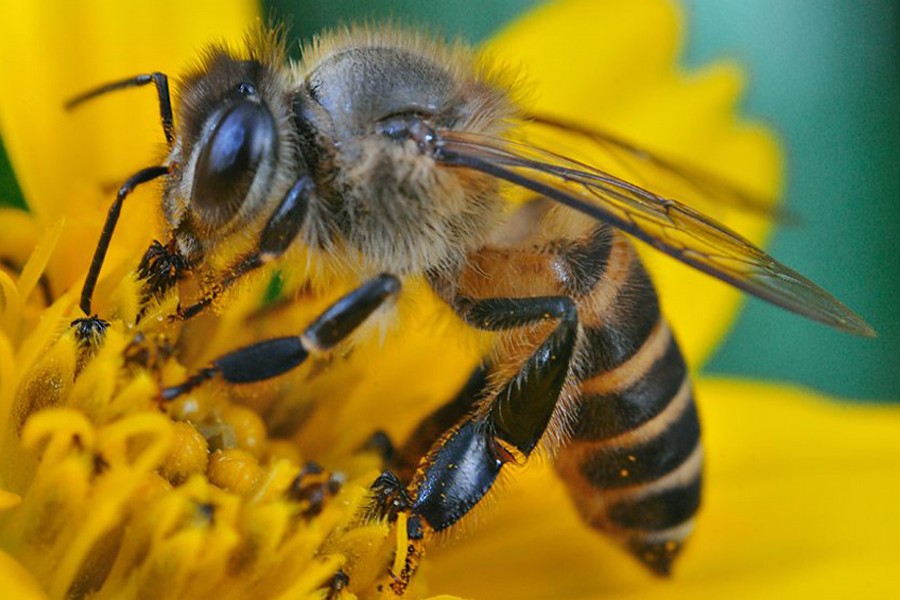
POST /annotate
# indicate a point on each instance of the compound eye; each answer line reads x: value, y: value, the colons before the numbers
x: 242, y: 137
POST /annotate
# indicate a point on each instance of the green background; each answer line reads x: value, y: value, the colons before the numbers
x: 825, y: 75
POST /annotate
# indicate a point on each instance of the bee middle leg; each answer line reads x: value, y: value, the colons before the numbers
x: 270, y: 358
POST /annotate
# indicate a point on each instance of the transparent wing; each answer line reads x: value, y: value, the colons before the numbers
x: 696, y: 187
x: 666, y: 224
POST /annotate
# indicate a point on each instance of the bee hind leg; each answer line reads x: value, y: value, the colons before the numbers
x: 403, y: 459
x: 462, y: 466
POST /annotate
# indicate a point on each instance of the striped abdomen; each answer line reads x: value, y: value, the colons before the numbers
x: 632, y: 456
x: 633, y: 464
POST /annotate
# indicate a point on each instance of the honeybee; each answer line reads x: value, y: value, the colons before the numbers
x: 384, y: 152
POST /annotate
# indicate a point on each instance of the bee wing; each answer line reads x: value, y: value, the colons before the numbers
x: 666, y: 224
x: 648, y: 169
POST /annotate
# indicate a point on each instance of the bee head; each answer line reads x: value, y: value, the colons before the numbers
x: 231, y: 148
x: 240, y: 135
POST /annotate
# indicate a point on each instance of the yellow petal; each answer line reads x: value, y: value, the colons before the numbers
x: 20, y: 234
x: 8, y: 500
x: 17, y: 582
x: 800, y: 501
x: 611, y: 65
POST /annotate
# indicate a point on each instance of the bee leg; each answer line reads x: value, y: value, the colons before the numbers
x: 160, y: 80
x: 112, y: 217
x: 464, y: 463
x: 89, y: 332
x: 403, y: 460
x: 430, y: 429
x: 161, y: 267
x: 391, y: 501
x: 277, y: 235
x: 270, y: 358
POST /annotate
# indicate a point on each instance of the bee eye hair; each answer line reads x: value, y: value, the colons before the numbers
x: 242, y: 136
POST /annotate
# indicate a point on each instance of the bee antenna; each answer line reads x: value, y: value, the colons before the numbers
x: 160, y: 80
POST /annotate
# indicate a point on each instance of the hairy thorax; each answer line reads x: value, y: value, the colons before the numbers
x: 384, y: 197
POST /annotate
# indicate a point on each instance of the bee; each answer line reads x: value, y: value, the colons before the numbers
x: 385, y: 153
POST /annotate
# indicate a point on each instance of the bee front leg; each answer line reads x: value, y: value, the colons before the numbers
x: 159, y: 270
x: 159, y: 80
x: 270, y: 358
x: 109, y: 226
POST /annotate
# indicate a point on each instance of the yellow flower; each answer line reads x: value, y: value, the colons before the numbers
x: 103, y: 494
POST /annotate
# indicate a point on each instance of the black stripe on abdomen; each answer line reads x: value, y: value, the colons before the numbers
x: 639, y: 459
x: 633, y: 466
x: 659, y: 509
x: 624, y: 330
x: 602, y: 416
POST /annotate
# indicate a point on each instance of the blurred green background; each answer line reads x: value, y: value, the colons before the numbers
x: 825, y: 75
